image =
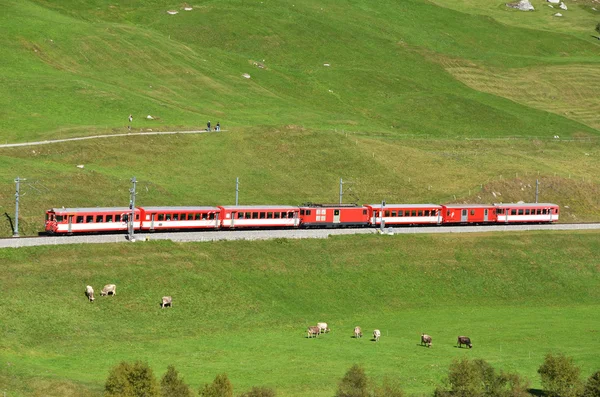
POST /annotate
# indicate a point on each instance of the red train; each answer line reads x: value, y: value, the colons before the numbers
x: 150, y: 219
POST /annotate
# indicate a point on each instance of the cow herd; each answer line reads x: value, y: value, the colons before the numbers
x: 321, y: 328
x: 111, y: 289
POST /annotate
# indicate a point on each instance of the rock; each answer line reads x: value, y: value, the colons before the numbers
x: 149, y: 117
x: 80, y: 166
x: 558, y: 14
x: 550, y: 5
x: 246, y: 75
x: 326, y: 64
x: 554, y: 1
x: 523, y: 5
x: 188, y: 8
x: 563, y: 6
x: 172, y: 12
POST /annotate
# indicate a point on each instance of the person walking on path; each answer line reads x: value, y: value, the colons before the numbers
x: 208, y: 126
x: 218, y: 127
x: 130, y: 121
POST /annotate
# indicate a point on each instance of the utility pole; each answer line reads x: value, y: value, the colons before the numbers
x: 132, y: 208
x: 16, y: 231
x: 381, y: 223
x: 237, y: 189
x: 341, y: 190
x: 537, y: 189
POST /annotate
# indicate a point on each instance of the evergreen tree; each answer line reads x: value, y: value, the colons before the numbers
x: 220, y: 387
x: 592, y: 386
x: 560, y: 376
x: 259, y: 392
x: 173, y: 386
x: 353, y: 384
x: 131, y: 380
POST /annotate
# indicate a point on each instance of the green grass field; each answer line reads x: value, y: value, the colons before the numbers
x: 422, y: 101
x: 242, y: 308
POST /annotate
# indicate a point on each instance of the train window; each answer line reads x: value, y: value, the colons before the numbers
x: 291, y: 215
x: 364, y: 212
x: 269, y: 215
x: 89, y: 219
x: 255, y: 215
x: 203, y: 216
x: 513, y: 212
x: 161, y: 217
x: 276, y: 215
x: 464, y: 212
x: 240, y: 215
x: 167, y: 217
x: 393, y: 213
x: 337, y: 212
x: 190, y: 217
x: 117, y: 218
x: 283, y: 215
x: 211, y: 216
x: 472, y: 212
x: 386, y: 214
x: 99, y: 218
x: 182, y: 217
x: 247, y: 215
x: 175, y: 217
x: 262, y: 215
x: 485, y: 212
x: 109, y: 218
x: 302, y: 212
x: 520, y: 211
x: 538, y: 211
x: 527, y: 212
x: 59, y: 218
x: 137, y: 217
x: 197, y: 216
x: 413, y: 213
x: 80, y: 219
x: 420, y: 213
x: 448, y: 213
x: 427, y: 213
x: 308, y: 212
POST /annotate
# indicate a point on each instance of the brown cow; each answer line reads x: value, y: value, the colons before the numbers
x: 89, y: 292
x: 313, y: 331
x: 464, y: 340
x: 425, y: 340
x: 357, y: 332
x: 166, y: 301
x: 109, y: 289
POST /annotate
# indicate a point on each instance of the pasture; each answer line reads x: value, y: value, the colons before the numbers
x: 243, y: 308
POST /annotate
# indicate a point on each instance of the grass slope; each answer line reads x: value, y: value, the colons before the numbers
x: 242, y: 307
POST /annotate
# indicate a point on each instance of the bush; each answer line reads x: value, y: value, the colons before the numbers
x: 131, y: 380
x: 598, y: 27
x: 173, y: 386
x: 560, y: 376
x: 389, y: 388
x: 259, y: 392
x: 478, y: 378
x: 592, y: 386
x: 353, y: 384
x: 221, y: 387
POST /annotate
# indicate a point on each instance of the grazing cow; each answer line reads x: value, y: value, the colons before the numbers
x: 323, y: 327
x: 313, y: 331
x: 425, y: 340
x: 109, y: 289
x: 89, y: 292
x: 376, y: 335
x: 166, y: 301
x: 464, y: 340
x: 357, y: 332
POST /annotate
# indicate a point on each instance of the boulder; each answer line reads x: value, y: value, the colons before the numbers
x: 523, y: 5
x: 563, y: 6
x: 554, y: 1
x: 558, y: 14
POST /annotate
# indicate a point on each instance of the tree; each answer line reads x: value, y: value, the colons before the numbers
x: 259, y: 392
x: 221, y: 387
x: 131, y: 380
x: 353, y: 384
x: 592, y: 386
x: 389, y: 388
x: 173, y: 386
x: 560, y: 376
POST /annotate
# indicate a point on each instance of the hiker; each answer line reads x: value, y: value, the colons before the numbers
x: 218, y: 127
x: 130, y: 121
x: 208, y: 126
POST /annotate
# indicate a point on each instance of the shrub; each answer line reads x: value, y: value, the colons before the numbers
x: 389, y: 388
x: 598, y: 27
x: 131, y: 380
x: 353, y: 384
x: 560, y: 376
x: 221, y: 387
x: 173, y: 386
x: 592, y: 386
x: 259, y: 392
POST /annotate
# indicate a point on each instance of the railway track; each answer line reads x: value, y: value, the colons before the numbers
x: 203, y: 236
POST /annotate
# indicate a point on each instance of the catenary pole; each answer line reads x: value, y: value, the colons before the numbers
x: 132, y: 208
x: 341, y: 190
x: 16, y: 231
x: 237, y: 189
x: 537, y: 189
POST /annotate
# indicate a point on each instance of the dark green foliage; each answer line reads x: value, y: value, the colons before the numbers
x: 592, y: 386
x: 598, y: 27
x: 389, y: 388
x: 560, y: 376
x: 468, y: 378
x: 354, y: 383
x: 173, y: 386
x: 221, y: 387
x: 259, y: 392
x: 131, y: 380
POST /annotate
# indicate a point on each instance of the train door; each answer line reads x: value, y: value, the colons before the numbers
x: 216, y: 220
x: 233, y: 214
x: 70, y: 227
x: 336, y: 216
x: 485, y: 215
x: 152, y: 219
x: 464, y: 216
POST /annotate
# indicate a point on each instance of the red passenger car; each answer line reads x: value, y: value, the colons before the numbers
x: 405, y: 214
x: 468, y: 213
x: 527, y: 213
x: 325, y: 215
x: 259, y: 216
x: 89, y: 220
x: 173, y: 218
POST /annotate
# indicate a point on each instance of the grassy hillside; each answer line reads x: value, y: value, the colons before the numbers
x: 242, y: 307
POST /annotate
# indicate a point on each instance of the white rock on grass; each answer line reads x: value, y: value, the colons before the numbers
x: 523, y: 5
x: 172, y: 12
x: 188, y: 8
x: 554, y: 1
x: 558, y: 14
x: 246, y: 75
x: 149, y: 117
x: 563, y: 6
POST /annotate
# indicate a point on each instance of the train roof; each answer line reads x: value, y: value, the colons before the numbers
x: 180, y: 208
x: 405, y: 206
x: 469, y: 205
x: 526, y: 205
x: 90, y: 209
x: 258, y: 207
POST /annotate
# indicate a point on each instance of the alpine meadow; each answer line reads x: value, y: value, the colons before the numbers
x: 408, y: 101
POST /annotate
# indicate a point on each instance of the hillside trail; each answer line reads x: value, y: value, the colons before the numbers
x: 47, y: 142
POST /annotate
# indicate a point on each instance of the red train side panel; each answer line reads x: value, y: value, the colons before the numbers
x: 527, y: 213
x: 468, y: 213
x: 334, y: 216
x: 259, y: 216
x: 89, y: 220
x: 405, y: 214
x: 173, y: 218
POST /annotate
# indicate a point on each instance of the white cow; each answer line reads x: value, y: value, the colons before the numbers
x: 376, y: 335
x: 357, y: 332
x: 89, y: 292
x: 166, y: 301
x: 323, y: 327
x: 109, y: 289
